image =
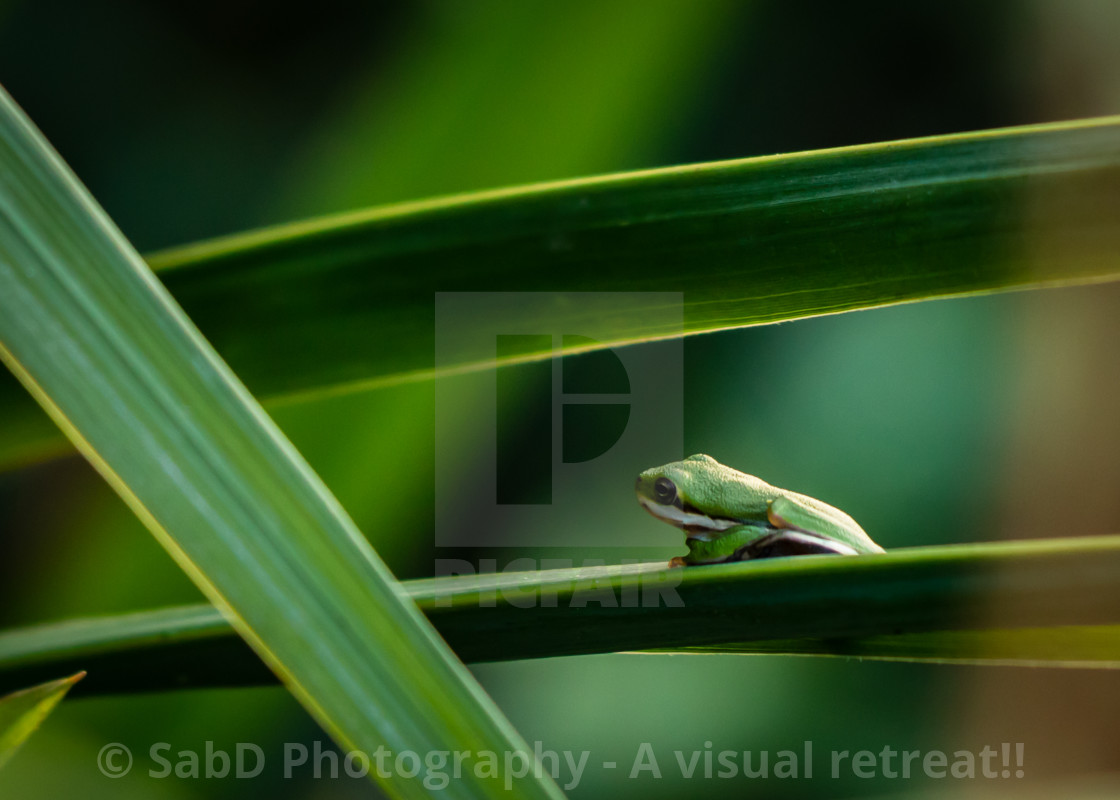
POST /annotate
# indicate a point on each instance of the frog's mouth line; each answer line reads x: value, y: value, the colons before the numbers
x: 695, y: 525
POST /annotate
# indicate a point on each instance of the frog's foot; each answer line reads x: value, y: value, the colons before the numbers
x: 678, y: 561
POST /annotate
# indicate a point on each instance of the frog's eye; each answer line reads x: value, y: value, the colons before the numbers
x: 665, y: 491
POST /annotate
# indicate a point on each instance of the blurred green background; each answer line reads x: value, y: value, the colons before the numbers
x: 970, y: 419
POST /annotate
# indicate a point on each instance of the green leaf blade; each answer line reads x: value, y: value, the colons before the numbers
x: 93, y: 335
x: 749, y: 242
x: 22, y: 712
x: 1038, y: 603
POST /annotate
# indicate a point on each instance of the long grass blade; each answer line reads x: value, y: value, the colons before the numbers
x: 294, y: 309
x: 1049, y: 603
x: 103, y: 347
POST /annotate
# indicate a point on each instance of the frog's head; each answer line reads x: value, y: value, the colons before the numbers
x: 702, y: 497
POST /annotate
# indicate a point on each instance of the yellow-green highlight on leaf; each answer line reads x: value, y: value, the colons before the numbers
x: 23, y: 711
x: 93, y: 335
x: 1052, y: 603
x: 1070, y: 646
x: 294, y: 309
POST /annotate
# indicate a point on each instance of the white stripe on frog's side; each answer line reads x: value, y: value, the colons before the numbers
x: 792, y: 543
x: 686, y: 519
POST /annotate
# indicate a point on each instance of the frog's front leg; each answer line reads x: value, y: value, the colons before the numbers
x: 712, y: 547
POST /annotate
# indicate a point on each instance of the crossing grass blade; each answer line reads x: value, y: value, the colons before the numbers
x: 93, y: 335
x: 1048, y: 602
x: 293, y: 309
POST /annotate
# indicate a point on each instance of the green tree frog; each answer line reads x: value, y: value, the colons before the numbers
x: 729, y: 516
